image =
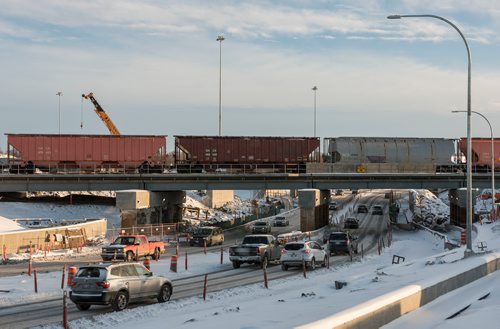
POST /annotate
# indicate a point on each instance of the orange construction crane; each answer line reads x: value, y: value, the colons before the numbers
x: 102, y: 115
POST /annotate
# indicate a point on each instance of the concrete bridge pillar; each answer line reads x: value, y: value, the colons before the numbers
x: 141, y: 207
x: 313, y: 205
x: 218, y: 198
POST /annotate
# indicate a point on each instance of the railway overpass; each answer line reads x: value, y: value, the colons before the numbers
x: 219, y: 181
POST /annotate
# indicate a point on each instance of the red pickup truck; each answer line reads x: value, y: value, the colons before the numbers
x: 131, y: 247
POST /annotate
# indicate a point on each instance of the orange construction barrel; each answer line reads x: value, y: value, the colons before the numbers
x: 462, y: 237
x: 147, y: 263
x: 71, y: 274
x: 173, y: 263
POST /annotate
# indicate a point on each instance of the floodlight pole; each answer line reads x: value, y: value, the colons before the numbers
x: 220, y: 38
x: 469, y: 143
x: 492, y: 156
x: 59, y: 93
x: 315, y: 89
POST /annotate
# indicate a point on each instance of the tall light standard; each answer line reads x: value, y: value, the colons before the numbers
x: 59, y: 93
x: 220, y: 38
x: 469, y: 144
x: 492, y: 155
x: 315, y: 88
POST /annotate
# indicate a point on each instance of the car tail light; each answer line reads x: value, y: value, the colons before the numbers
x: 258, y: 251
x: 283, y: 251
x: 72, y: 284
x: 306, y: 251
x: 104, y: 284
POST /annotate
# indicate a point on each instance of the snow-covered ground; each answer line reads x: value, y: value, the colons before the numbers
x: 297, y: 301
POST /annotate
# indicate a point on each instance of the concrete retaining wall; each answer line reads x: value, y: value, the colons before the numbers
x: 386, y: 308
x: 19, y: 241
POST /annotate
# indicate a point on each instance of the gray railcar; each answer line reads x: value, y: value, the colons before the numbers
x: 390, y: 154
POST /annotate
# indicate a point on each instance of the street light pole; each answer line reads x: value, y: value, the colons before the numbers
x: 59, y: 93
x: 220, y: 38
x: 492, y: 155
x: 469, y: 143
x: 315, y: 88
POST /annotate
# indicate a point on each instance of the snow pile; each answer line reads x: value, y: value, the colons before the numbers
x: 237, y: 208
x: 58, y: 212
x: 194, y: 199
x: 63, y: 194
x: 7, y: 225
x: 430, y: 210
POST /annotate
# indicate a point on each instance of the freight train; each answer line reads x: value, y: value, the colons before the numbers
x: 27, y: 153
x: 30, y: 153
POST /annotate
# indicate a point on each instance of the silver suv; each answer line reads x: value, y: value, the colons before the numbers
x: 261, y: 227
x: 117, y: 284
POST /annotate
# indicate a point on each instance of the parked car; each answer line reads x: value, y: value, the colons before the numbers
x: 333, y: 205
x: 281, y: 221
x: 342, y: 243
x: 351, y: 223
x: 294, y: 253
x: 261, y: 227
x: 211, y: 234
x: 377, y: 210
x: 117, y: 284
x: 362, y: 209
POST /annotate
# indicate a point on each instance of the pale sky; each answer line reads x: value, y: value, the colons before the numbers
x: 154, y: 67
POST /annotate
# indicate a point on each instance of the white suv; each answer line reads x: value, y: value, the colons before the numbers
x: 295, y: 253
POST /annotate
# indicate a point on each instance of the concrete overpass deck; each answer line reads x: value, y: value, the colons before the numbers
x: 176, y: 182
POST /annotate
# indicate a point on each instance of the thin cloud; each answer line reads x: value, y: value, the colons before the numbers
x: 254, y: 20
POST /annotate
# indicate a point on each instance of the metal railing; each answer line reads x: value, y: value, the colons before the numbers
x: 220, y: 169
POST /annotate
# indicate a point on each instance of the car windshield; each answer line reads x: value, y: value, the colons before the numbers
x: 260, y: 224
x: 125, y: 240
x: 338, y: 236
x: 294, y: 246
x: 204, y: 231
x: 255, y: 240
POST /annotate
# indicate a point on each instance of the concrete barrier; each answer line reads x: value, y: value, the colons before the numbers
x: 386, y: 308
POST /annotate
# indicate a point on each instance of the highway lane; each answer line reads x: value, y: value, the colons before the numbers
x: 50, y: 310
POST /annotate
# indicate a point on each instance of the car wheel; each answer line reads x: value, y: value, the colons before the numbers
x: 325, y: 261
x: 165, y: 293
x: 83, y: 307
x: 284, y: 267
x: 120, y: 302
x: 313, y: 264
x: 129, y: 257
x: 264, y: 262
x: 236, y: 264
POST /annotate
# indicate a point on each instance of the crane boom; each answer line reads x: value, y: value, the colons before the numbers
x: 102, y: 115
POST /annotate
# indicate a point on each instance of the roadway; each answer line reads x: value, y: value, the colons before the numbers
x: 49, y: 311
